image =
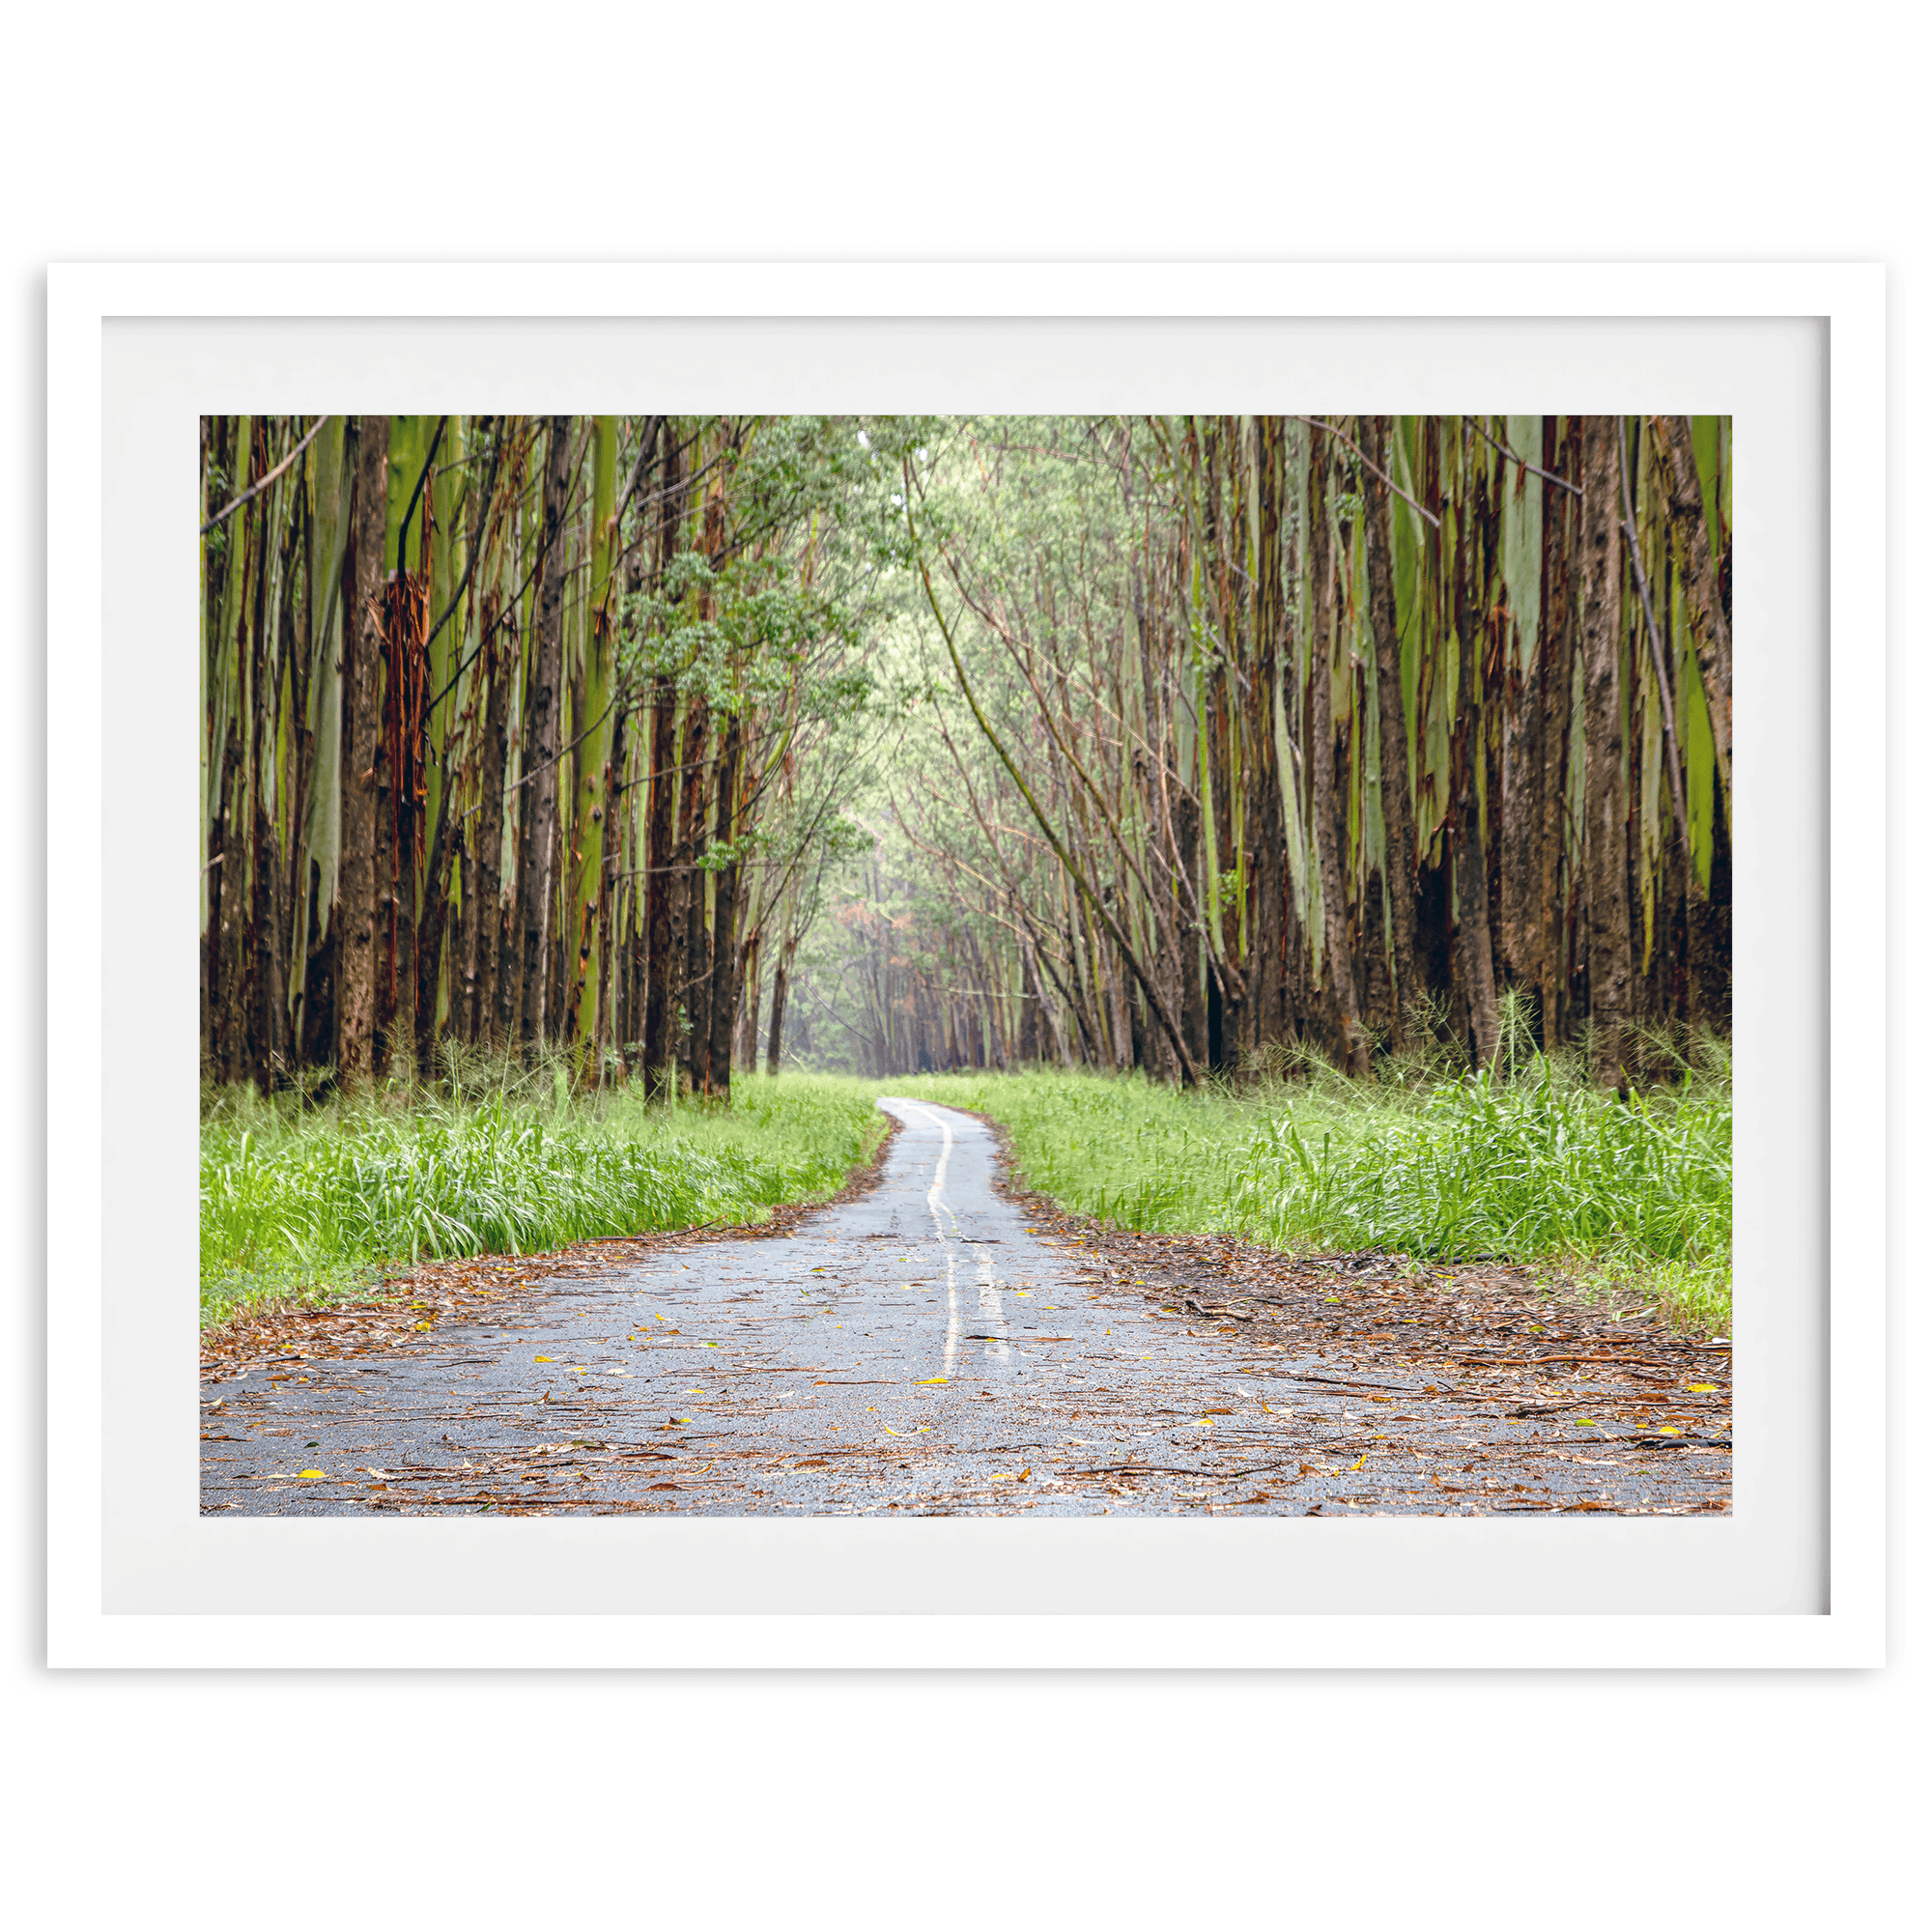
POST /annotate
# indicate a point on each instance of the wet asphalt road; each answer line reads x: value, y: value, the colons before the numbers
x: 916, y: 1349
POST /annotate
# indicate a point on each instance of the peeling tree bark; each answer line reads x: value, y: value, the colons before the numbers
x: 1338, y: 956
x: 690, y: 942
x: 1709, y: 629
x: 1606, y: 809
x: 726, y: 962
x: 536, y: 887
x: 362, y: 724
x: 1473, y: 945
x: 658, y: 898
x: 1555, y: 683
x: 1398, y: 819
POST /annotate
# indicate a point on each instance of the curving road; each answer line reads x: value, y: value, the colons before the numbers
x: 920, y: 1349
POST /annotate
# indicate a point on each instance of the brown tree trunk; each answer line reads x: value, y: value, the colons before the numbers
x: 1473, y: 948
x: 659, y: 894
x: 747, y: 1055
x: 1338, y: 966
x: 361, y: 733
x: 1605, y: 810
x: 491, y: 1009
x: 689, y: 935
x: 610, y: 1028
x: 540, y: 740
x: 430, y: 929
x: 726, y: 963
x: 1398, y: 817
x: 267, y: 1002
x: 1710, y: 629
x: 1514, y: 806
x: 781, y: 984
x: 1193, y: 1003
x: 1555, y: 676
x: 558, y: 980
x: 1270, y: 913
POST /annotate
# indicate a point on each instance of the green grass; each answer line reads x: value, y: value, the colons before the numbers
x: 310, y: 1206
x: 1538, y: 1166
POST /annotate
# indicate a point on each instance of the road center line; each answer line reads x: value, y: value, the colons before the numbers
x: 990, y: 1307
x: 935, y: 1199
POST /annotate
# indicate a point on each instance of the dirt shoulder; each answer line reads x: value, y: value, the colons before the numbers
x: 1518, y: 1343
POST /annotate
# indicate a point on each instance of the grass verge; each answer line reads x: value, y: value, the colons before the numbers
x: 1537, y: 1167
x: 306, y: 1206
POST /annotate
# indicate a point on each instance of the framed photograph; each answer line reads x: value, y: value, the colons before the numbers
x: 465, y: 543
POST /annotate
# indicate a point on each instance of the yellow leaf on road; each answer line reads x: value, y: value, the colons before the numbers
x: 546, y: 1358
x: 309, y: 1475
x: 927, y: 1381
x: 1355, y: 1465
x: 1702, y: 1388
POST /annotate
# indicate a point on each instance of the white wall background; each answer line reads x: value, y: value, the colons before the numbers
x: 1676, y: 131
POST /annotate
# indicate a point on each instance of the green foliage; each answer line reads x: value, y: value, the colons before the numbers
x: 311, y: 1206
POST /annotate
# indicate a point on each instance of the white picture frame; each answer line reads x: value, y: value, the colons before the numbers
x: 104, y: 1364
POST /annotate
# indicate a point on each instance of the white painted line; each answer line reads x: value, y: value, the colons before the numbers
x: 935, y: 1199
x: 990, y: 1308
x: 951, y: 1316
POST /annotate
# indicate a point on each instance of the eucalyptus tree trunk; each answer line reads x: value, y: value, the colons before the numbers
x: 318, y: 852
x: 659, y: 985
x: 1398, y: 819
x: 750, y: 1004
x: 356, y: 916
x: 1473, y: 946
x: 1606, y: 807
x: 273, y: 647
x: 1338, y: 956
x: 726, y: 962
x: 1555, y: 675
x: 689, y: 940
x: 593, y: 755
x: 431, y: 930
x: 1710, y: 628
x: 1187, y: 866
x: 484, y: 916
x: 609, y: 897
x: 1270, y: 910
x: 535, y: 887
x: 1521, y: 507
x: 781, y: 986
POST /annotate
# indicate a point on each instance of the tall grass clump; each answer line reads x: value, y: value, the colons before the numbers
x: 1526, y: 1161
x: 1529, y: 1169
x: 302, y: 1204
